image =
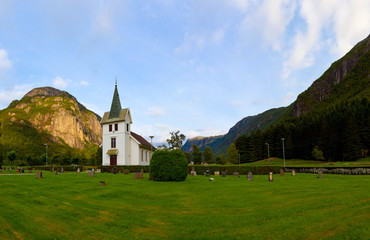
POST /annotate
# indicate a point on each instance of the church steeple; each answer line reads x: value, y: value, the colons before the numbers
x: 115, y: 108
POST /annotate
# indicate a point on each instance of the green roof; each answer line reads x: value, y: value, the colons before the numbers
x: 121, y: 117
x: 116, y: 105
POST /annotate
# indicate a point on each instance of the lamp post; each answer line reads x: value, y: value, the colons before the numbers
x: 46, y: 153
x: 151, y: 146
x: 268, y: 151
x: 282, y: 139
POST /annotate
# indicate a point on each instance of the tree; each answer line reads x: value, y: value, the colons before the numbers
x: 197, y: 155
x: 188, y: 156
x: 233, y: 154
x: 175, y: 142
x: 208, y: 155
x: 11, y: 156
x: 220, y: 159
x: 317, y: 154
x: 169, y: 165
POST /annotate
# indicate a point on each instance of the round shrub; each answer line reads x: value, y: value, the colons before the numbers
x: 169, y: 166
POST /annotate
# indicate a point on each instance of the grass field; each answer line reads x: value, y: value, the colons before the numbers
x: 74, y: 206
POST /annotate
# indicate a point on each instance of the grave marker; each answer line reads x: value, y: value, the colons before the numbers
x: 138, y: 175
x: 126, y: 171
x: 271, y: 177
x: 320, y: 174
x: 62, y: 170
x: 78, y: 170
x: 91, y: 174
x: 223, y: 173
x: 236, y: 174
x: 56, y: 172
x: 101, y: 183
x: 38, y: 174
x: 114, y: 170
x: 281, y: 172
x: 249, y: 176
x: 217, y: 173
x: 293, y: 172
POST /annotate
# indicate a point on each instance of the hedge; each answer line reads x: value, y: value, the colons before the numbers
x: 168, y: 165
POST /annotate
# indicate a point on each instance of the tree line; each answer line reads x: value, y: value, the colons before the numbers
x: 341, y: 133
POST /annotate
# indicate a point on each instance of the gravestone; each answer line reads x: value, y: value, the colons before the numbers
x: 126, y: 171
x: 142, y: 170
x: 98, y: 170
x: 62, y: 170
x: 193, y: 173
x: 38, y: 174
x: 236, y: 174
x: 271, y: 177
x: 282, y: 172
x: 320, y: 174
x: 56, y: 172
x: 223, y: 173
x: 91, y: 174
x: 217, y: 173
x: 101, y: 183
x: 249, y: 176
x: 206, y: 173
x: 114, y: 170
x: 78, y: 170
x: 138, y: 175
x: 93, y: 170
x: 293, y: 172
x: 30, y: 171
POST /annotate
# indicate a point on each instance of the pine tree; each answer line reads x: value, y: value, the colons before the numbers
x: 197, y: 155
x: 232, y: 154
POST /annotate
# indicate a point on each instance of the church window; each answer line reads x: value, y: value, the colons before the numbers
x: 128, y: 127
x: 113, y: 142
x: 116, y: 127
x: 110, y: 127
x: 142, y: 155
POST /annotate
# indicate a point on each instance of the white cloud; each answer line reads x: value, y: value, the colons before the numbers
x: 5, y: 63
x: 61, y: 83
x: 346, y: 21
x: 190, y: 42
x: 204, y: 132
x: 269, y: 21
x: 155, y: 111
x: 7, y: 96
x: 84, y: 83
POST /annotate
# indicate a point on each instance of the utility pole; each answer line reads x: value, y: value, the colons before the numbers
x: 282, y: 139
x: 268, y: 151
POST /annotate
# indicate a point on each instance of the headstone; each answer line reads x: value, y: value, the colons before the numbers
x: 126, y: 171
x: 114, y: 170
x: 249, y: 176
x: 193, y: 173
x: 236, y: 174
x: 293, y: 172
x: 271, y: 177
x: 91, y: 174
x: 320, y: 174
x: 98, y: 170
x: 38, y: 174
x: 142, y: 170
x: 101, y: 183
x: 138, y: 175
x: 223, y: 173
x: 62, y: 170
x: 193, y: 169
x: 206, y: 173
x: 281, y: 172
x: 78, y: 170
x: 56, y: 172
x: 217, y: 173
x: 30, y: 171
x: 93, y: 170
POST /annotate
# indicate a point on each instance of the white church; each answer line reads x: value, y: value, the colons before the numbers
x: 120, y: 145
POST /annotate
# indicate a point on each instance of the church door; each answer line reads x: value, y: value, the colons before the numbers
x: 113, y: 160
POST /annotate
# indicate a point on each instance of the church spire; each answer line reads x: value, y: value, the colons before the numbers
x: 115, y: 108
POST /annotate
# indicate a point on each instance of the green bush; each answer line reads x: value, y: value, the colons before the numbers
x: 169, y: 166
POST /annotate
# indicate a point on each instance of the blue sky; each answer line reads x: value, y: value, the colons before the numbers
x: 195, y: 66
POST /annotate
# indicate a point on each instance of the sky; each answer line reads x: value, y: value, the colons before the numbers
x: 196, y: 66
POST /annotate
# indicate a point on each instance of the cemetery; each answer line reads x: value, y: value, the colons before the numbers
x: 119, y: 204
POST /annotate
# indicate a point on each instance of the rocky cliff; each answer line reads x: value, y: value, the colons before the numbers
x: 52, y: 114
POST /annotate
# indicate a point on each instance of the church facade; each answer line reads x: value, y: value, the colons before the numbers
x: 120, y: 145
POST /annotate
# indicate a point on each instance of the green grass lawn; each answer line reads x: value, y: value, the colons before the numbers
x: 74, y: 206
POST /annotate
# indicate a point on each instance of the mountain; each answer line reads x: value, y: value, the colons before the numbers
x: 48, y: 115
x: 346, y: 79
x: 220, y: 144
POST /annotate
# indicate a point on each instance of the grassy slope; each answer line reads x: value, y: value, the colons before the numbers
x: 74, y: 206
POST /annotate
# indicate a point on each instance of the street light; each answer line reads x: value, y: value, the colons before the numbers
x: 282, y: 139
x: 268, y: 151
x: 46, y: 153
x: 151, y: 139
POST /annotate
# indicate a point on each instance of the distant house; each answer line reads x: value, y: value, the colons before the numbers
x: 120, y: 145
